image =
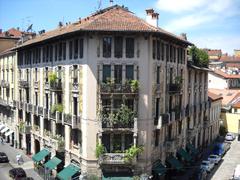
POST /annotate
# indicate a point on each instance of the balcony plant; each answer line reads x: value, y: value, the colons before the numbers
x: 124, y: 116
x: 52, y: 78
x: 21, y: 126
x: 57, y: 107
x: 100, y: 149
x: 132, y: 152
x: 134, y: 85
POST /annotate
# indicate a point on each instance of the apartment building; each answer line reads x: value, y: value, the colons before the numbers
x: 108, y: 84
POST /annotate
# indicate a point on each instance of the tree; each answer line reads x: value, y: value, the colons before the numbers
x: 199, y: 57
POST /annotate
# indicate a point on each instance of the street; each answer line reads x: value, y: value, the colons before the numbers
x: 11, y: 153
x: 225, y: 169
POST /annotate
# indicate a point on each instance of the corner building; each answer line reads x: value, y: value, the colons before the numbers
x: 76, y: 83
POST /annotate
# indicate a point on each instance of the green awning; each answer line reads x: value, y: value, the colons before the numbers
x: 40, y: 155
x: 117, y: 175
x: 68, y: 172
x: 184, y: 154
x: 159, y: 168
x: 192, y: 149
x: 174, y: 163
x: 52, y: 163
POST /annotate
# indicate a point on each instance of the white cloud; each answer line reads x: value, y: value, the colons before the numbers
x: 225, y: 42
x: 193, y: 13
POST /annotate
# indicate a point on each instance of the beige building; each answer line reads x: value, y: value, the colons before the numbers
x: 110, y: 83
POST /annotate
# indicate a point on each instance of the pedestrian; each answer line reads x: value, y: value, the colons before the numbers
x: 2, y: 141
x: 18, y: 158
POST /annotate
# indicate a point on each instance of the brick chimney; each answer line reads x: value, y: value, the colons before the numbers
x: 152, y: 17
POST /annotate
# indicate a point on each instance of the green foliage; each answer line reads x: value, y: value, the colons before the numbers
x: 124, y: 115
x: 57, y: 107
x: 132, y: 152
x: 52, y: 78
x: 100, y: 149
x: 178, y: 80
x: 134, y: 85
x: 92, y: 177
x: 199, y: 57
x: 21, y: 126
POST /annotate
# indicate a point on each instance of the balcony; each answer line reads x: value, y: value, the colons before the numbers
x: 36, y: 84
x: 112, y: 158
x: 127, y: 88
x: 170, y: 145
x: 25, y: 129
x: 24, y: 84
x: 174, y: 88
x: 5, y: 84
x: 40, y: 110
x: 56, y: 86
x: 46, y: 86
x: 76, y: 122
x: 75, y: 86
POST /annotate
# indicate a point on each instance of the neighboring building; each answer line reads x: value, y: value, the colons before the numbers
x: 8, y: 66
x: 230, y: 115
x: 11, y: 37
x: 111, y: 79
x: 223, y: 79
x: 214, y: 115
x: 237, y: 52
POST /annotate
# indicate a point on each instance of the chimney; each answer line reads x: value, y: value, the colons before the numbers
x: 152, y: 17
x: 183, y: 36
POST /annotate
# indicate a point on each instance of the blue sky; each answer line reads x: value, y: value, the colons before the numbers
x: 208, y: 24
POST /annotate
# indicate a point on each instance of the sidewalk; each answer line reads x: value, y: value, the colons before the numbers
x: 27, y: 165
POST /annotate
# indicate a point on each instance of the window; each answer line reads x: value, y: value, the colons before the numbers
x: 64, y: 50
x: 129, y: 47
x: 162, y: 51
x: 70, y: 49
x: 47, y: 53
x: 76, y: 136
x: 36, y: 98
x: 117, y: 142
x: 36, y: 78
x: 46, y: 74
x: 157, y: 133
x: 154, y: 49
x: 81, y: 48
x: 75, y: 75
x: 56, y: 52
x: 130, y: 104
x: 167, y: 52
x: 156, y: 111
x: 174, y: 54
x: 44, y: 54
x: 118, y: 47
x: 158, y: 49
x: 128, y: 141
x: 60, y: 53
x: 158, y: 75
x: 75, y: 48
x: 50, y: 53
x: 129, y: 72
x: 106, y: 105
x: 107, y: 45
x: 118, y: 74
x: 75, y: 106
x: 171, y: 53
x: 106, y: 72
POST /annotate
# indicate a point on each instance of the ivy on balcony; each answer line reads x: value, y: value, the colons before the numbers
x: 123, y: 117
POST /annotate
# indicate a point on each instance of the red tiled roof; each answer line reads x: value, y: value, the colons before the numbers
x: 236, y: 65
x: 214, y: 52
x: 214, y: 97
x: 237, y: 105
x: 230, y: 58
x: 225, y: 75
x: 114, y: 18
x: 12, y: 33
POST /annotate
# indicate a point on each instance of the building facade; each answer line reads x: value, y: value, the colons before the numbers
x: 110, y: 80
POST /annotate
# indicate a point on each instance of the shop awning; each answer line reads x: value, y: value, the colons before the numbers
x: 4, y: 130
x: 52, y: 163
x: 9, y: 133
x: 184, y: 155
x: 2, y: 126
x: 174, y: 163
x: 192, y: 149
x: 40, y: 155
x: 68, y: 172
x: 159, y: 168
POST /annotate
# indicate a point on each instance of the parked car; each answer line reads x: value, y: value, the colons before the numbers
x: 214, y: 158
x: 17, y: 173
x: 236, y: 175
x: 229, y: 137
x: 3, y: 158
x: 207, y: 165
x: 199, y: 174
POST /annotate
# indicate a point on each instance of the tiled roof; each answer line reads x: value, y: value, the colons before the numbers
x: 225, y: 75
x: 214, y: 97
x: 114, y: 18
x: 236, y: 65
x: 228, y: 95
x: 230, y: 59
x: 214, y: 52
x: 13, y: 33
x: 237, y: 105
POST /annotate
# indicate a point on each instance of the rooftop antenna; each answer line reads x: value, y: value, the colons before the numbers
x: 99, y: 4
x: 111, y: 2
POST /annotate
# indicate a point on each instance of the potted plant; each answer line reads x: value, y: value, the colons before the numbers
x: 52, y: 78
x: 134, y: 85
x: 100, y: 149
x: 132, y: 152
